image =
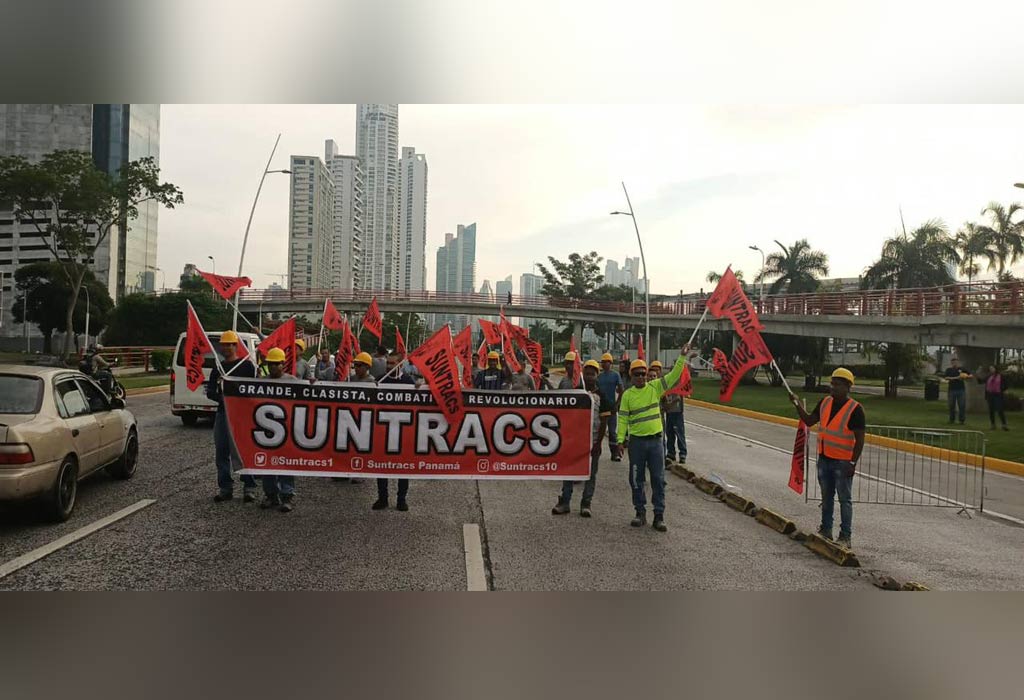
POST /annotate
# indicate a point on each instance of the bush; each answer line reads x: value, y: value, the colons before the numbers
x: 160, y: 360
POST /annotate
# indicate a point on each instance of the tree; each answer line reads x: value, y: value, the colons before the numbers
x: 1005, y: 235
x: 713, y: 277
x: 575, y: 279
x: 973, y: 244
x: 140, y: 319
x: 920, y: 259
x: 624, y: 294
x: 47, y: 289
x: 74, y: 205
x: 796, y: 269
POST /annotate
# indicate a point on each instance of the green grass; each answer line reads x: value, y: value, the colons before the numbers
x: 145, y: 380
x: 879, y: 410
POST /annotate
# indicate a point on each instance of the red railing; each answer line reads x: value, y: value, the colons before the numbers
x: 979, y: 298
x: 125, y: 356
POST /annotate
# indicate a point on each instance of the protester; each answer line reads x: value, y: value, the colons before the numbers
x: 675, y: 429
x: 523, y: 379
x: 995, y: 390
x: 278, y: 489
x: 361, y: 364
x: 609, y: 383
x: 394, y: 375
x: 379, y: 367
x: 957, y: 392
x: 224, y: 451
x: 493, y: 377
x: 325, y: 368
x: 303, y: 370
x: 569, y: 362
x: 601, y: 409
x: 840, y: 442
x: 640, y: 433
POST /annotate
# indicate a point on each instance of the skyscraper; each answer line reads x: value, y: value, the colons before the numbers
x: 310, y: 224
x: 412, y: 220
x: 113, y: 134
x: 502, y: 288
x: 377, y: 148
x: 349, y: 182
x: 530, y: 284
x: 456, y: 268
x: 486, y: 291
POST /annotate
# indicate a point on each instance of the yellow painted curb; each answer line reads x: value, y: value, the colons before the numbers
x: 965, y: 458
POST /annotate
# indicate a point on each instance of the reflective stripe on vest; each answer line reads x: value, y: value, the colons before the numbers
x: 835, y: 439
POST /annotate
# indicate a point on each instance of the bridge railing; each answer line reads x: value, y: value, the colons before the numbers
x: 979, y: 298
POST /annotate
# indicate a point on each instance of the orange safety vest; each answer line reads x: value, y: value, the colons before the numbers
x: 835, y: 439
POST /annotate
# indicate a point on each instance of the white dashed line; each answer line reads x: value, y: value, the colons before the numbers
x: 476, y: 577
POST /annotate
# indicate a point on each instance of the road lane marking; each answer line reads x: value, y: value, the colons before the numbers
x: 46, y: 550
x: 476, y: 577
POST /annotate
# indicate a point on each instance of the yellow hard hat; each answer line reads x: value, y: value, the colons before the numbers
x: 301, y: 343
x: 276, y: 355
x: 592, y: 363
x: 570, y: 357
x: 364, y: 357
x: 637, y: 364
x: 228, y: 338
x: 656, y: 363
x: 607, y: 357
x: 843, y: 373
x: 493, y: 355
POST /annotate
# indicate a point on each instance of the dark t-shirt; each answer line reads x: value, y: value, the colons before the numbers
x: 955, y: 383
x: 213, y: 388
x: 857, y: 419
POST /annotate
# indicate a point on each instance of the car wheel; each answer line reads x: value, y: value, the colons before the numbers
x: 189, y: 419
x: 60, y: 501
x: 124, y: 468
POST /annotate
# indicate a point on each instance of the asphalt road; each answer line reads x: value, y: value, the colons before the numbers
x: 334, y: 541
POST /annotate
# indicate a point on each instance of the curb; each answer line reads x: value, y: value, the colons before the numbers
x: 738, y: 502
x: 1004, y: 466
x: 770, y: 518
x: 162, y: 388
x: 830, y: 550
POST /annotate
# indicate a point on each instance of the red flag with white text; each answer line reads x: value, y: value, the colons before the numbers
x: 225, y: 286
x: 197, y: 345
x: 283, y: 337
x: 372, y: 321
x: 435, y: 359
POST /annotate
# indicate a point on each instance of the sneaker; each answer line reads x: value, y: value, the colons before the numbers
x: 248, y: 496
x: 402, y: 506
x: 682, y: 460
x: 826, y: 534
x: 223, y: 496
x: 616, y: 458
x: 659, y: 523
x: 845, y: 541
x: 379, y: 504
x: 561, y: 508
x: 669, y: 461
x: 272, y: 501
x: 640, y: 519
x: 286, y: 503
x: 585, y: 510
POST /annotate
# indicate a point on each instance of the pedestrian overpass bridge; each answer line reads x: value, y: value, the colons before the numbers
x: 982, y: 315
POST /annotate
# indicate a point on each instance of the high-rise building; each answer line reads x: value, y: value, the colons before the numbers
x: 347, y: 242
x: 310, y: 224
x: 612, y: 274
x: 530, y: 284
x: 630, y: 274
x: 502, y: 288
x: 412, y: 220
x: 456, y: 268
x: 113, y: 134
x: 486, y: 291
x: 377, y: 148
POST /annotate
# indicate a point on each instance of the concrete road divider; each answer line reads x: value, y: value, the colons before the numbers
x: 682, y: 472
x: 775, y: 521
x: 707, y: 486
x: 737, y: 502
x: 832, y: 551
x: 914, y: 586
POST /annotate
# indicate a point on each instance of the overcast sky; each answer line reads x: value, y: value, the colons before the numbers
x: 706, y: 182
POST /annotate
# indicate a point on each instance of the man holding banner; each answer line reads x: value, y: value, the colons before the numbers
x: 224, y: 454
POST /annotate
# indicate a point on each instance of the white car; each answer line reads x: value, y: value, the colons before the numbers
x: 56, y: 427
x: 190, y: 405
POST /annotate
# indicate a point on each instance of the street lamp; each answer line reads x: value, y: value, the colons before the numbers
x: 245, y: 238
x: 1019, y: 184
x: 761, y: 293
x: 647, y: 284
x: 210, y: 258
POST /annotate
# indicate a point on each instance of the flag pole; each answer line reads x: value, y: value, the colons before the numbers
x: 783, y: 376
x: 216, y: 357
x: 320, y: 337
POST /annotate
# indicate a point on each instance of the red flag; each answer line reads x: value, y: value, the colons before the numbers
x: 481, y: 355
x: 729, y: 300
x: 750, y: 353
x: 399, y: 342
x: 283, y: 337
x: 685, y: 386
x: 719, y: 360
x: 464, y: 353
x: 241, y: 350
x: 196, y: 346
x: 343, y: 358
x: 491, y: 332
x: 535, y: 356
x: 332, y: 319
x: 577, y: 365
x: 640, y: 354
x: 372, y: 320
x: 435, y: 360
x: 796, y: 469
x: 225, y: 286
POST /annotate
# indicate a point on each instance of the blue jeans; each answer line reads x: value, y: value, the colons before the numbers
x: 957, y: 401
x: 613, y: 430
x: 225, y: 455
x: 647, y: 454
x: 832, y: 479
x: 588, y: 486
x: 675, y: 433
x: 278, y: 484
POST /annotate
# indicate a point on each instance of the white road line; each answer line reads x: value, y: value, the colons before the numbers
x: 476, y: 578
x: 35, y: 555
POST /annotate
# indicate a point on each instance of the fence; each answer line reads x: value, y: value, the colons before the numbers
x: 130, y: 356
x: 911, y: 466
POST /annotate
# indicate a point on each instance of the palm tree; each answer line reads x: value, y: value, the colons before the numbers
x: 972, y: 243
x: 796, y: 268
x: 713, y: 277
x: 1005, y: 234
x: 920, y: 259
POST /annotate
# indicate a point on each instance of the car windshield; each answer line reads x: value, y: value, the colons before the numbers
x: 208, y: 362
x: 19, y: 394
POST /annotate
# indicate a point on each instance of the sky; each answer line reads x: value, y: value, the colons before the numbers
x: 706, y: 182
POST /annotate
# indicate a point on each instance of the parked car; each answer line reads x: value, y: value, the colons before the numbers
x: 57, y: 426
x: 189, y: 405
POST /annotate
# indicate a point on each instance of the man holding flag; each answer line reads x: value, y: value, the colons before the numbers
x: 224, y: 453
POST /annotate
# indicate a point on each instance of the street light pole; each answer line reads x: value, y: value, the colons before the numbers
x: 761, y: 293
x: 245, y: 238
x: 210, y: 258
x: 24, y: 322
x: 3, y: 273
x: 88, y: 308
x: 643, y: 259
